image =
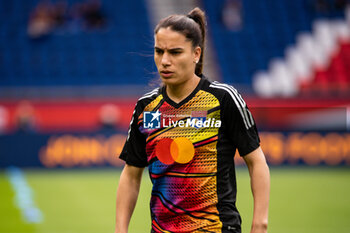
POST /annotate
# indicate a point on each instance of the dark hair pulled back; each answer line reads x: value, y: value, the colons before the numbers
x: 192, y: 26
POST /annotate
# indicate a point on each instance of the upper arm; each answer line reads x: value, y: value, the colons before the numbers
x: 239, y: 123
x: 134, y: 150
x: 132, y: 173
x: 255, y: 157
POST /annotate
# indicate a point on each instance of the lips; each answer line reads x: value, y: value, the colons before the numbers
x: 166, y: 73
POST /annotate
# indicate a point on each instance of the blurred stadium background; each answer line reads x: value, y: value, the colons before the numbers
x: 72, y: 70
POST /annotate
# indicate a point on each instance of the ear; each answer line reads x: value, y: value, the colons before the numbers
x: 197, y: 53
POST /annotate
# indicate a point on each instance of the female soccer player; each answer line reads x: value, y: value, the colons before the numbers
x: 187, y: 132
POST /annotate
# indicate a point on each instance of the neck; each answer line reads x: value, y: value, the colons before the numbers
x: 179, y: 92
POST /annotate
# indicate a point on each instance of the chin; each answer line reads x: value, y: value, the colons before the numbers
x: 170, y: 81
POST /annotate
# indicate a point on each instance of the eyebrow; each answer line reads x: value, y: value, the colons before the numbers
x: 173, y: 49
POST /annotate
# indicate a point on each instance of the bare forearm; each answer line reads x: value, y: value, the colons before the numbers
x: 128, y: 190
x: 260, y: 184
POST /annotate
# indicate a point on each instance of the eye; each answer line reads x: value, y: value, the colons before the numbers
x: 158, y: 51
x: 176, y: 52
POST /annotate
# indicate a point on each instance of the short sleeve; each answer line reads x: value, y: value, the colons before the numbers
x: 134, y: 150
x: 239, y: 123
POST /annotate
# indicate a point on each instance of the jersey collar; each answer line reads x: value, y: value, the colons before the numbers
x: 188, y: 98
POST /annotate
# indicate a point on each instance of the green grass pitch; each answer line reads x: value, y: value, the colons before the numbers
x: 303, y: 200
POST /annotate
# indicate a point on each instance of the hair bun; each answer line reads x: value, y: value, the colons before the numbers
x: 191, y: 17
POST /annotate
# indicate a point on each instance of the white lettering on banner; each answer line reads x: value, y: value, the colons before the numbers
x: 192, y: 122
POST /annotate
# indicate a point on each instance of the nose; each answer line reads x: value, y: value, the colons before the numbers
x: 165, y: 60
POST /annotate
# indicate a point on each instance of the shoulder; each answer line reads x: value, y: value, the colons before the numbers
x: 226, y: 93
x: 149, y: 96
x: 232, y: 102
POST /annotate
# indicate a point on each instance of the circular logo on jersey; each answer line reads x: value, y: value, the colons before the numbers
x: 178, y: 150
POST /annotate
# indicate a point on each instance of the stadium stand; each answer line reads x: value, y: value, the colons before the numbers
x: 112, y: 55
x: 118, y: 54
x: 268, y: 28
x: 73, y: 71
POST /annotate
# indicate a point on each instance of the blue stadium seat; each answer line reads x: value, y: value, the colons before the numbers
x: 111, y: 56
x: 269, y: 26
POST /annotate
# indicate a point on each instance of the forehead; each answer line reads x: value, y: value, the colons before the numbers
x: 167, y: 38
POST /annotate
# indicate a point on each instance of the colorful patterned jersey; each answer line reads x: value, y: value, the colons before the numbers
x: 189, y: 149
